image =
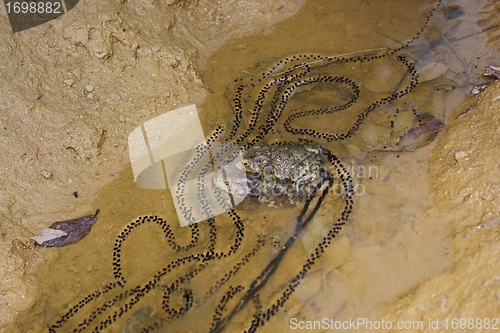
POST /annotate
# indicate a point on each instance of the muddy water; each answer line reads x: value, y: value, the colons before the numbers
x: 393, y: 239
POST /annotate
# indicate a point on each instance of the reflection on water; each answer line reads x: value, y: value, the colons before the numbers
x: 249, y: 271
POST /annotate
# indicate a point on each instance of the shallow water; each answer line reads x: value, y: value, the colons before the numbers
x: 392, y: 240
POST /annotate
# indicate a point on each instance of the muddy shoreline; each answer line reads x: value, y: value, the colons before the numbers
x: 74, y: 88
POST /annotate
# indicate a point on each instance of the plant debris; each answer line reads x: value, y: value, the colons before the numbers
x: 66, y: 232
x: 420, y: 136
x: 453, y: 12
x: 492, y: 71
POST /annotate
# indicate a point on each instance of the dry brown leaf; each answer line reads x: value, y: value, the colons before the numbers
x: 492, y: 71
x: 432, y: 70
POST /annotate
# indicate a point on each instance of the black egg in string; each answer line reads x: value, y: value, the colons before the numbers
x: 277, y: 87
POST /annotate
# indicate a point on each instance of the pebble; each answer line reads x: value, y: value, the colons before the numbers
x: 89, y: 88
x: 118, y: 96
x: 46, y: 174
x: 76, y: 72
x: 69, y: 82
x: 478, y: 89
x: 461, y: 156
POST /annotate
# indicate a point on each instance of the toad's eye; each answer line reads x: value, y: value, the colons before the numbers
x: 227, y: 182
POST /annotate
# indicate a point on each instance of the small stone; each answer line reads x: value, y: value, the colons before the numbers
x: 76, y: 72
x: 89, y: 88
x: 479, y: 88
x: 72, y: 267
x: 461, y: 156
x: 118, y: 96
x: 90, y: 96
x: 46, y: 174
x: 69, y: 82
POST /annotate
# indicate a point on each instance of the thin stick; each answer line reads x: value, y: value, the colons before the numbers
x: 451, y: 48
x: 20, y: 186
